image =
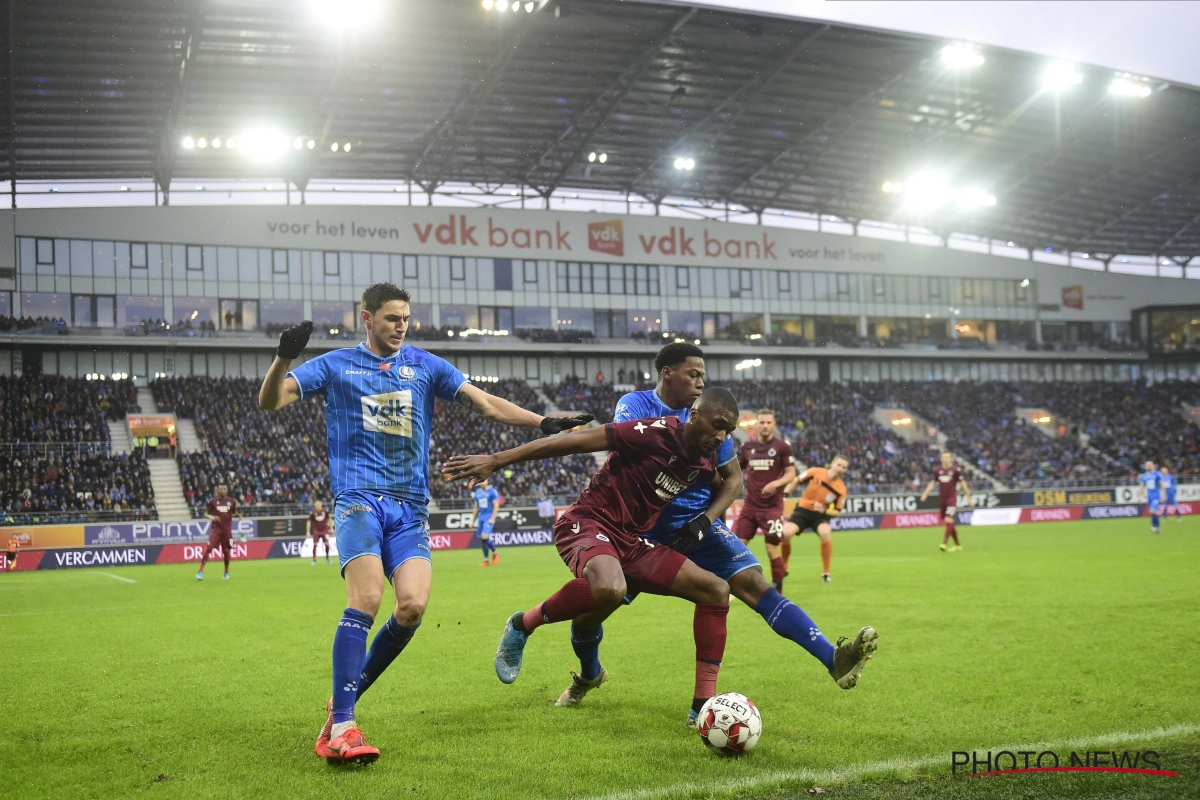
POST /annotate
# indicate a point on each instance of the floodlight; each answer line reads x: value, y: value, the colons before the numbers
x: 487, y: 5
x: 343, y: 15
x: 1126, y: 86
x: 188, y: 143
x: 603, y: 157
x: 961, y: 56
x: 1060, y: 75
x: 893, y: 187
x: 516, y: 6
x: 346, y: 147
x: 333, y: 147
x: 297, y: 143
x: 591, y: 156
x: 217, y: 142
x: 264, y: 144
x: 202, y: 143
x: 975, y: 198
x: 311, y: 144
x: 529, y: 8
x: 927, y: 190
x: 1025, y: 283
x: 231, y: 143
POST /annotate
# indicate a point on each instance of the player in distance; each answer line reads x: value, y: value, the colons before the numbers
x: 318, y: 529
x: 601, y: 537
x: 1150, y: 482
x: 14, y: 547
x: 1170, y: 485
x: 824, y: 498
x: 947, y: 478
x: 487, y: 503
x: 379, y: 399
x: 221, y: 510
x: 766, y: 462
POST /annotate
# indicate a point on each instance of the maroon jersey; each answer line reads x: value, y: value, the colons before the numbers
x: 222, y: 510
x: 761, y: 464
x: 947, y: 481
x: 320, y: 522
x: 648, y: 465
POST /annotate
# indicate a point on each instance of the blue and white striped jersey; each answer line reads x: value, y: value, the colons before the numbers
x: 1151, y: 482
x: 694, y: 499
x: 485, y: 501
x: 1169, y: 484
x: 378, y: 413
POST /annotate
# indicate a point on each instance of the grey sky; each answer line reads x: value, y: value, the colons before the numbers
x: 1153, y: 39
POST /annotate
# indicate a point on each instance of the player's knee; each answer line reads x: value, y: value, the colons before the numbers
x: 609, y: 592
x: 409, y: 611
x: 714, y: 591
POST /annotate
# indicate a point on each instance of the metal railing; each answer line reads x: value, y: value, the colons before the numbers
x: 55, y: 448
x: 73, y: 517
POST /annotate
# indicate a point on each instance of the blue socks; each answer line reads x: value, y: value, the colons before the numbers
x: 1154, y: 523
x: 349, y: 646
x: 789, y: 621
x: 391, y: 639
x: 586, y: 645
x: 488, y: 547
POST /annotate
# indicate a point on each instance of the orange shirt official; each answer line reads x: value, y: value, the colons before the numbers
x: 821, y: 490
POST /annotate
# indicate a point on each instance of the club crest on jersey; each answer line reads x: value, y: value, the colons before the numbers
x: 389, y: 413
x: 406, y: 372
x: 602, y: 537
x: 771, y: 452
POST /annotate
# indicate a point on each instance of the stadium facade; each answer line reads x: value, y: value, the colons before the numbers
x: 589, y: 293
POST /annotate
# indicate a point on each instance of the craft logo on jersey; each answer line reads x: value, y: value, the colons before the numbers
x: 607, y: 237
x: 388, y: 413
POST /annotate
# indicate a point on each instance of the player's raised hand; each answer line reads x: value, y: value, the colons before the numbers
x: 473, y: 468
x: 553, y: 425
x: 293, y: 340
x: 692, y: 534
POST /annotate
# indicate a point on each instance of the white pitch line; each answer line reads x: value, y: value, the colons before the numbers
x: 116, y: 577
x: 856, y: 771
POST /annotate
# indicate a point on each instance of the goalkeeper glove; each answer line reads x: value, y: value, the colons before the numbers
x: 692, y: 534
x: 293, y: 340
x: 553, y: 425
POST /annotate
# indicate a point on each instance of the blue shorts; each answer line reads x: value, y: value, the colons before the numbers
x: 485, y: 526
x: 1153, y: 503
x: 1171, y: 499
x: 720, y: 553
x: 392, y: 530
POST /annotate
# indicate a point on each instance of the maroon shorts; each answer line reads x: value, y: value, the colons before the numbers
x: 223, y: 539
x: 946, y: 509
x: 648, y: 567
x: 320, y: 537
x: 752, y: 520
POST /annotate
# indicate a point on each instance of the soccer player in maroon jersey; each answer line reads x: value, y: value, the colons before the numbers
x: 947, y: 478
x: 318, y: 529
x: 766, y: 462
x: 600, y: 537
x: 222, y: 510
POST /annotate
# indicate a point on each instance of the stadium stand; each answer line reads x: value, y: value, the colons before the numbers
x: 981, y: 424
x: 598, y: 399
x: 821, y: 420
x: 49, y: 408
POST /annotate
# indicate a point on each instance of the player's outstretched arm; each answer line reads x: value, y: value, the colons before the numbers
x: 803, y: 477
x: 498, y: 409
x: 475, y: 468
x: 929, y: 489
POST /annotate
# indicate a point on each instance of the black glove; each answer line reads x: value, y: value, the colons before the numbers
x: 691, y: 534
x: 293, y: 340
x: 553, y: 425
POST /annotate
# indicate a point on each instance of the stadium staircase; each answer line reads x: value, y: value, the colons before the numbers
x: 168, y: 491
x: 118, y: 435
x: 145, y: 401
x: 189, y: 440
x: 977, y: 475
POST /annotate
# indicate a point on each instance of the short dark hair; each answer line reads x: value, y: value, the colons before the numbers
x: 375, y: 295
x: 842, y: 456
x: 762, y: 411
x: 720, y: 397
x: 676, y: 353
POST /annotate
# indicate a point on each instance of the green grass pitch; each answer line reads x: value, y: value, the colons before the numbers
x: 160, y: 686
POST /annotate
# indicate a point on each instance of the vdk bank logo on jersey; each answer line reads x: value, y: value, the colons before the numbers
x: 607, y: 237
x: 388, y: 413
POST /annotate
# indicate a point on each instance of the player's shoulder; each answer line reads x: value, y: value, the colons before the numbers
x: 635, y: 404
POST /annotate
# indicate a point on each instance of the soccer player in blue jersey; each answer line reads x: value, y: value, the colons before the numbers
x: 378, y: 401
x: 1169, y: 486
x: 1151, y: 483
x: 487, y: 501
x: 693, y: 524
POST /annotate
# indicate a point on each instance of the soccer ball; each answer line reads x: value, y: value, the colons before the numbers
x: 730, y: 724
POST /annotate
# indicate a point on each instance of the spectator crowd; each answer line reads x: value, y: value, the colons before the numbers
x: 50, y: 408
x: 74, y: 486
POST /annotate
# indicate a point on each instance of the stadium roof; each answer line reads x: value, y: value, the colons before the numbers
x: 775, y: 113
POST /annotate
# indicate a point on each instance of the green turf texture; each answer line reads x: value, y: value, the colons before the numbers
x: 1051, y: 633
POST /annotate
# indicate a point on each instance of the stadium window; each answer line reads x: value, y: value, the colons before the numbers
x: 195, y: 257
x: 652, y: 279
x: 1022, y: 291
x: 410, y: 268
x: 599, y: 278
x: 585, y: 278
x: 529, y: 272
x: 458, y: 268
x: 745, y: 280
x: 137, y: 255
x: 683, y: 278
x: 968, y: 289
x: 843, y: 285
x: 279, y: 262
x: 935, y: 287
x: 573, y: 277
x: 877, y: 285
x: 531, y: 369
x: 783, y: 282
x: 45, y: 251
x: 332, y: 264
